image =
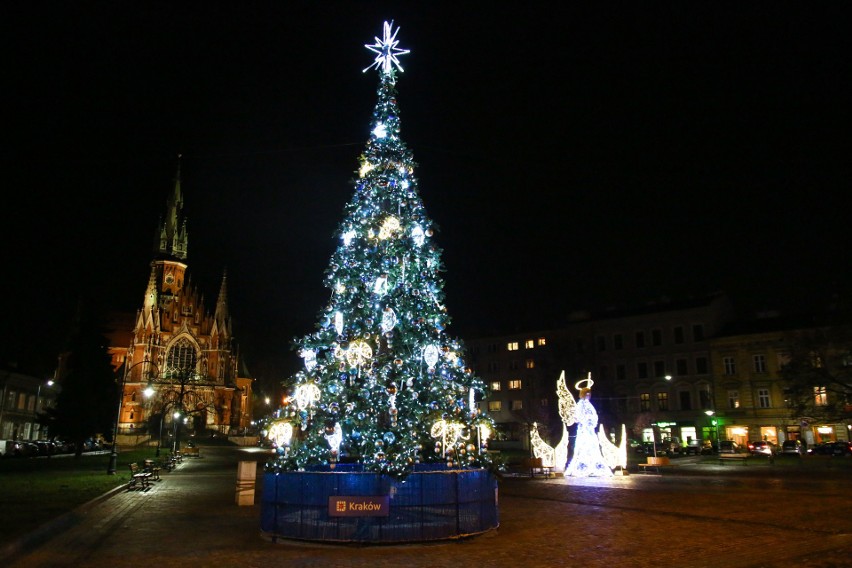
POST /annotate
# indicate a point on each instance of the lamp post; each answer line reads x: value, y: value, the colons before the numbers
x: 113, y: 456
x: 38, y: 405
x: 715, y: 423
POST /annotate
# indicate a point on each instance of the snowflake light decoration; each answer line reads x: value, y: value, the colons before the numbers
x: 386, y: 50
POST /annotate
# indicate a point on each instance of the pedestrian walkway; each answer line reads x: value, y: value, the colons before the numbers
x: 191, y: 518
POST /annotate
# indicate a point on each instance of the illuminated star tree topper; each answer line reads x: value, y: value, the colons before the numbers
x: 386, y: 50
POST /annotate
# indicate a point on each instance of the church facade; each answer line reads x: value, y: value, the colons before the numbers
x: 177, y: 360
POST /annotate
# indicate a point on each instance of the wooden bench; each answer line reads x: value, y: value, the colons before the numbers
x: 732, y: 458
x: 535, y: 465
x: 138, y: 477
x: 654, y: 463
x: 191, y: 452
x: 152, y: 467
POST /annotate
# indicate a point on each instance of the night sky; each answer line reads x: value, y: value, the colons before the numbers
x: 573, y: 158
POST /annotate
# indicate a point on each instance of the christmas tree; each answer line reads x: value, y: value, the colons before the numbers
x: 383, y: 384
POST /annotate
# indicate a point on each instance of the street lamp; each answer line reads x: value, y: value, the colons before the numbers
x: 113, y: 456
x: 715, y: 423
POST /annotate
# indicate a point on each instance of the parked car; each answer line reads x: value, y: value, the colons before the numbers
x: 822, y: 449
x: 793, y: 448
x: 729, y: 447
x: 841, y: 448
x: 763, y: 448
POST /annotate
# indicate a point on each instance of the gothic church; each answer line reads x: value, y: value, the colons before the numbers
x: 178, y: 362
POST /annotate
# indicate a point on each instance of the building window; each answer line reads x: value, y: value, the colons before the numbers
x: 642, y: 370
x: 541, y: 342
x: 601, y: 343
x: 529, y: 344
x: 491, y: 348
x: 685, y: 400
x: 544, y: 403
x: 495, y: 386
x: 701, y: 366
x: 512, y: 346
x: 820, y: 396
x: 621, y: 371
x: 659, y: 368
x: 530, y: 363
x: 645, y: 402
x: 515, y: 384
x: 495, y: 406
x: 517, y: 405
x: 663, y: 400
x: 603, y: 372
x: 640, y: 339
x: 513, y: 365
x: 763, y: 400
x: 681, y: 367
x: 657, y: 337
x: 618, y: 341
x: 493, y: 366
x: 678, y: 335
x: 733, y: 399
x: 698, y: 332
x: 182, y: 359
x: 759, y: 363
x: 704, y: 396
x: 730, y: 365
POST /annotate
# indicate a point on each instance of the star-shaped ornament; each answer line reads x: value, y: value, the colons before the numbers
x: 386, y: 50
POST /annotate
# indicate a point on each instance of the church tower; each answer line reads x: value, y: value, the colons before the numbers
x: 181, y: 359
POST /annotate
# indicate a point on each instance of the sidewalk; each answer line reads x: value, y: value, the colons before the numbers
x: 191, y: 518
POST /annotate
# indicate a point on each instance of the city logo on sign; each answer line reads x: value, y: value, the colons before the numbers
x: 359, y: 506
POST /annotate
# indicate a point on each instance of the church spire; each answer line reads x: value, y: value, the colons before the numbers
x: 172, y: 237
x: 221, y: 316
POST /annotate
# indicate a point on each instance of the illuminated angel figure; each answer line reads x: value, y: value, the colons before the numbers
x: 615, y: 456
x: 587, y: 459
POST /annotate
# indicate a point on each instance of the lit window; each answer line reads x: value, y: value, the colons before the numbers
x: 733, y: 399
x: 495, y: 406
x: 730, y: 365
x: 530, y: 363
x: 820, y: 396
x: 763, y: 400
x: 542, y: 342
x: 759, y: 363
x: 663, y: 400
x: 495, y: 385
x: 645, y: 402
x: 529, y: 344
x: 515, y: 384
x: 517, y: 405
x: 512, y: 346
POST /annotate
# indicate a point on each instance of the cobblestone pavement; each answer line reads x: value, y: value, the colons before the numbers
x: 702, y: 517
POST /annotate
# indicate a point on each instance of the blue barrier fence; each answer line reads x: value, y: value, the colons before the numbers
x: 432, y: 503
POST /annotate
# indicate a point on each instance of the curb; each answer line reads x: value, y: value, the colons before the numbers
x: 59, y: 524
